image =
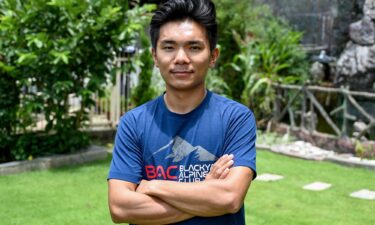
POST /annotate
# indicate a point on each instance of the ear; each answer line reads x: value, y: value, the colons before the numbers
x: 153, y: 51
x: 214, y: 56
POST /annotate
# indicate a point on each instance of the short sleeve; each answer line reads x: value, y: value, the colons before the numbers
x: 127, y: 154
x: 240, y: 139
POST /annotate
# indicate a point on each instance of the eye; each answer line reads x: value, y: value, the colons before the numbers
x: 168, y: 48
x: 195, y: 48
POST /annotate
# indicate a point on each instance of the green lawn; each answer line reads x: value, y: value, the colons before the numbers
x: 284, y: 202
x: 68, y: 196
x: 78, y: 195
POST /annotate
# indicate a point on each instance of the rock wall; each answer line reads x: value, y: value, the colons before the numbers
x: 348, y: 11
x: 356, y: 65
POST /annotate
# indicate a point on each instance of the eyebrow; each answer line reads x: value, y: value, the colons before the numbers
x: 194, y: 42
x: 165, y: 42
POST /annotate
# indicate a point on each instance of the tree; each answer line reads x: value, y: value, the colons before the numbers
x: 56, y: 50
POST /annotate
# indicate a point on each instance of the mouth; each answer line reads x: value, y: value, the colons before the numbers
x: 181, y: 72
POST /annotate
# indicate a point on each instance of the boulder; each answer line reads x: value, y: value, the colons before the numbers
x: 359, y: 126
x: 356, y: 67
x: 369, y: 9
x: 356, y: 59
x: 363, y: 31
x: 317, y: 72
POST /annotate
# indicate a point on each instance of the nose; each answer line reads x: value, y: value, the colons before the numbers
x: 181, y: 57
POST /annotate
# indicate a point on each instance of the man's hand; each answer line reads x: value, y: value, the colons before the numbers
x: 143, y: 187
x: 220, y: 169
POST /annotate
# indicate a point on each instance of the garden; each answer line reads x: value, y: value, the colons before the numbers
x: 70, y: 68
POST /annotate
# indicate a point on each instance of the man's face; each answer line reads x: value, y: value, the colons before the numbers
x: 183, y: 55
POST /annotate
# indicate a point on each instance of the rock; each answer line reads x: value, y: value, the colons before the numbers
x: 369, y: 9
x: 363, y: 31
x: 356, y: 59
x: 356, y: 134
x: 359, y: 126
x: 345, y: 145
x: 356, y: 67
x: 317, y: 72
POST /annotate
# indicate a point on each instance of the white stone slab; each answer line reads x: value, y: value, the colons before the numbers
x: 364, y: 194
x: 269, y: 177
x: 317, y: 186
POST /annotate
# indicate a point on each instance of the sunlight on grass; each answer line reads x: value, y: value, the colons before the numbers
x: 78, y: 195
x: 285, y: 202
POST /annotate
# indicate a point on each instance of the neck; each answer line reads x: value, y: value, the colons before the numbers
x: 184, y: 102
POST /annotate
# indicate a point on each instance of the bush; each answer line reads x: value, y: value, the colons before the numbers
x: 54, y: 51
x: 144, y: 91
x: 244, y: 20
x: 9, y: 101
x: 275, y: 58
x: 257, y: 50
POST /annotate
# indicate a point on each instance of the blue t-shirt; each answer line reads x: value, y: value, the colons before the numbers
x: 155, y: 143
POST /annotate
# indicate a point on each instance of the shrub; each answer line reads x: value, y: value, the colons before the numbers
x: 257, y: 50
x: 275, y: 58
x: 144, y: 91
x: 9, y: 101
x: 240, y: 19
x: 57, y: 50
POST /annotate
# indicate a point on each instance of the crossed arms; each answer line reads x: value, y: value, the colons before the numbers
x: 163, y: 202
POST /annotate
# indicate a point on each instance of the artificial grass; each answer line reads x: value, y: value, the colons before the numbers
x: 78, y: 195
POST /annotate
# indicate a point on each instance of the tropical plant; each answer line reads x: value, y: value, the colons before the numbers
x: 216, y: 83
x: 245, y: 20
x: 257, y: 50
x: 277, y: 58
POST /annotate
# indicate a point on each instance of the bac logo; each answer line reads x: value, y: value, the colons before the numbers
x: 153, y: 172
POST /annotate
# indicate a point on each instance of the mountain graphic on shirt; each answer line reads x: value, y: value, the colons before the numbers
x: 182, y: 149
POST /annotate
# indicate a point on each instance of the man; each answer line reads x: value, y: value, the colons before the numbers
x: 188, y: 156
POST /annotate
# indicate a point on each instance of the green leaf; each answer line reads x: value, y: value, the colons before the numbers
x: 26, y: 58
x: 258, y: 84
x: 236, y: 67
x: 60, y: 56
x: 150, y: 7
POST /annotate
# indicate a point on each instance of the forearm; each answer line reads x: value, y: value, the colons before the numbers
x: 207, y: 198
x: 128, y: 206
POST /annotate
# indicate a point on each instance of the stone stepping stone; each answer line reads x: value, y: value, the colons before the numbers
x: 267, y: 177
x: 317, y: 186
x: 364, y: 194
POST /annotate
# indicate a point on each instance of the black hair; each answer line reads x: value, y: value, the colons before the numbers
x: 200, y: 11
